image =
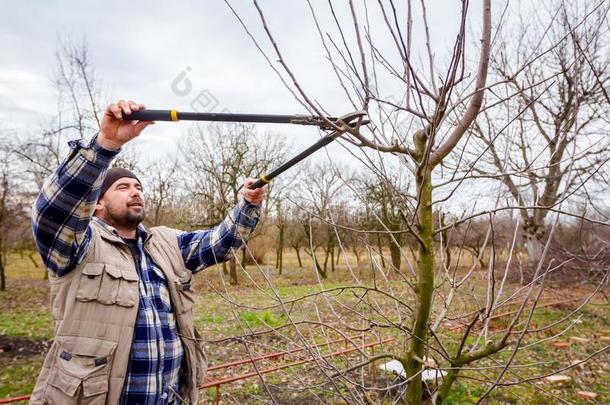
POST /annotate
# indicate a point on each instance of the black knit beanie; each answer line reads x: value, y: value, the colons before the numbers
x: 113, y: 175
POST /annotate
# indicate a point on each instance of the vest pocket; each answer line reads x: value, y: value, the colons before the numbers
x: 109, y: 289
x: 90, y: 281
x: 127, y: 295
x: 80, y: 372
x: 186, y: 293
x: 108, y: 285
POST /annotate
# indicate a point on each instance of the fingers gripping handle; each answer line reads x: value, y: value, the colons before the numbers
x: 259, y: 183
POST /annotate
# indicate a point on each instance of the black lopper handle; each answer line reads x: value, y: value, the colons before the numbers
x: 151, y: 115
x: 296, y: 159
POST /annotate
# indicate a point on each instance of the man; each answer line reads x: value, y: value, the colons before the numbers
x: 121, y: 294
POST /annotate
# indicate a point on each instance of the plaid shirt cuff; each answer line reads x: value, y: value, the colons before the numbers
x: 248, y: 214
x: 201, y: 249
x: 97, y: 154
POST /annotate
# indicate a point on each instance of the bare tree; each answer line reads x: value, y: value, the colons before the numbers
x: 560, y: 77
x: 435, y: 104
x: 16, y: 193
x: 162, y: 190
x: 79, y: 105
x: 388, y: 197
x: 425, y: 124
x: 221, y: 157
x: 281, y: 239
x: 323, y: 193
x: 295, y: 233
x: 4, y: 211
x: 79, y: 90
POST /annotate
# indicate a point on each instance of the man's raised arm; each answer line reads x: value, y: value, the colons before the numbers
x: 66, y: 203
x: 201, y: 249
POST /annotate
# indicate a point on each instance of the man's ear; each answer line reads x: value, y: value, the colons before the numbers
x: 99, y: 205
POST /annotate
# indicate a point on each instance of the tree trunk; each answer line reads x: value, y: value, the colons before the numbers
x: 425, y: 282
x: 395, y: 255
x: 3, y: 257
x: 280, y: 261
x: 476, y: 252
x: 321, y: 272
x: 298, y: 250
x: 224, y: 268
x: 2, y: 274
x: 243, y: 256
x: 280, y: 250
x: 534, y: 248
x: 380, y: 251
x: 233, y: 271
x: 533, y: 236
x: 357, y: 254
x: 445, y: 235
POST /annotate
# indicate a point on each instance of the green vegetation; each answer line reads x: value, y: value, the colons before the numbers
x: 32, y: 324
x: 19, y: 376
x: 265, y: 318
x: 25, y: 317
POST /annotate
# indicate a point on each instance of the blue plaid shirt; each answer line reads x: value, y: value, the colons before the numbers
x: 61, y: 224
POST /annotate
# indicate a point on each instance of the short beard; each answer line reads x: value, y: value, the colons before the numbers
x: 128, y: 221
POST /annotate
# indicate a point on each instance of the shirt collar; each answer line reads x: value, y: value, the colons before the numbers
x: 141, y: 231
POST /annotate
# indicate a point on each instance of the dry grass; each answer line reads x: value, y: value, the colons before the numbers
x: 225, y: 311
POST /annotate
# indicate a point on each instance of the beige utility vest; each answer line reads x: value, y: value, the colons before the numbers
x: 95, y: 308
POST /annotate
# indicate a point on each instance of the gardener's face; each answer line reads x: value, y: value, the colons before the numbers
x: 122, y: 205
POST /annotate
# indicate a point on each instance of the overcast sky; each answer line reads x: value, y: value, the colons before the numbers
x: 139, y: 48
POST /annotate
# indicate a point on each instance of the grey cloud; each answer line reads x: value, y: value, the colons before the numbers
x: 138, y: 48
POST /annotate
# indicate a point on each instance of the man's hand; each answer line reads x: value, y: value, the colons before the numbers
x: 115, y: 132
x: 255, y: 196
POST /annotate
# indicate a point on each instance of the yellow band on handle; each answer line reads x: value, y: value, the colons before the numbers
x: 264, y: 179
x: 174, y: 115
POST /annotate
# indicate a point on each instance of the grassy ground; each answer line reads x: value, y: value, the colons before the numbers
x: 224, y: 311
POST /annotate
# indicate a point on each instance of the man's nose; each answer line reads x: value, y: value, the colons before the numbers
x: 136, y: 192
